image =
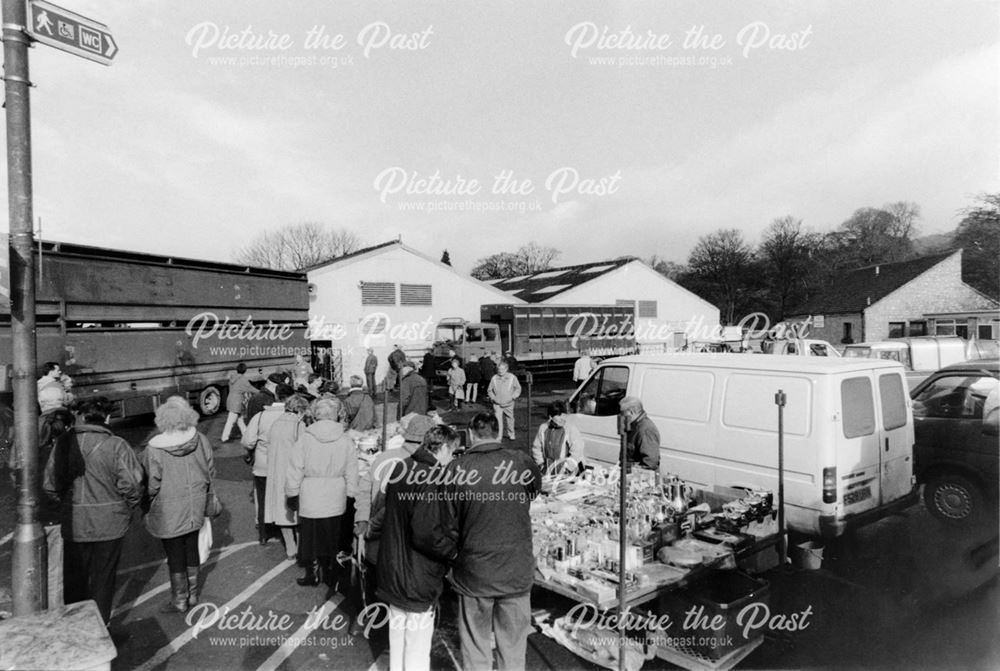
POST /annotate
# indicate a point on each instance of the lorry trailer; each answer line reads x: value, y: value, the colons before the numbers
x: 136, y: 328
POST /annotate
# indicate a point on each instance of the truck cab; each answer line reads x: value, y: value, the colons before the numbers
x: 466, y: 339
x: 920, y: 355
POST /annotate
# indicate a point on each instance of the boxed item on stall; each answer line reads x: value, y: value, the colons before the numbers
x: 718, y: 593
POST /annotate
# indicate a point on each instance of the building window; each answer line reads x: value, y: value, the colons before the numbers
x: 378, y: 293
x: 848, y: 333
x: 989, y: 331
x: 414, y: 294
x: 647, y: 309
x: 962, y: 331
x: 917, y: 328
x: 897, y: 329
x: 623, y: 303
x: 944, y: 327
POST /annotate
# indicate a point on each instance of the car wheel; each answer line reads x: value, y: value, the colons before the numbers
x: 953, y: 498
x: 209, y: 401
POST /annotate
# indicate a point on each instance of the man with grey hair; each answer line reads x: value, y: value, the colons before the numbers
x: 642, y: 436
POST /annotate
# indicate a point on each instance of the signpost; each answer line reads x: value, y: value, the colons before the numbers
x: 49, y: 24
x: 68, y: 31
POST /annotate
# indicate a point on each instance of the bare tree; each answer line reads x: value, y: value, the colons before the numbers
x: 297, y: 246
x: 529, y: 258
x: 787, y: 253
x: 721, y: 268
x: 669, y: 269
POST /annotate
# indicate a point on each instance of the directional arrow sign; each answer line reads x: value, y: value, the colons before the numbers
x: 68, y: 31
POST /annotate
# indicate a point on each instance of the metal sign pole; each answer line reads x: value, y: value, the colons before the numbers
x: 622, y: 540
x: 29, y: 572
x: 779, y: 400
x: 528, y: 380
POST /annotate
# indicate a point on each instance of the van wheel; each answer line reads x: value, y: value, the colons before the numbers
x: 953, y: 498
x: 209, y: 401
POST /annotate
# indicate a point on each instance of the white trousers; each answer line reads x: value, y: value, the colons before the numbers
x: 410, y: 637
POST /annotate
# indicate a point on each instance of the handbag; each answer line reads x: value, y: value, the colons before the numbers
x: 213, y: 506
x: 204, y: 541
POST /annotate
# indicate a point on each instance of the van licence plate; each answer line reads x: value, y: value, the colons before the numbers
x: 856, y: 495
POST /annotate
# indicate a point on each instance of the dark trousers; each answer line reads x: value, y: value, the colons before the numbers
x: 508, y: 617
x: 260, y: 487
x: 182, y: 552
x: 370, y: 381
x: 90, y: 572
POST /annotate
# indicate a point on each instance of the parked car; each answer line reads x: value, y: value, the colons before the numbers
x: 799, y: 347
x: 957, y: 450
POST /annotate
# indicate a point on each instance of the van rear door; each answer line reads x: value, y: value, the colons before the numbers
x: 858, y: 460
x: 595, y: 411
x: 896, y: 437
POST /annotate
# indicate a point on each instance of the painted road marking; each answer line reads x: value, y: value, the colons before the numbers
x: 159, y: 589
x: 223, y: 551
x: 164, y: 653
x: 292, y: 642
x: 6, y: 539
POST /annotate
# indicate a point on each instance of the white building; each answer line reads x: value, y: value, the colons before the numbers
x: 665, y: 311
x: 385, y: 295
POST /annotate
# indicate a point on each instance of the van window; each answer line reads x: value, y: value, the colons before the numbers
x: 818, y: 349
x: 890, y: 388
x: 490, y: 334
x: 748, y: 403
x: 603, y: 391
x: 859, y: 407
x: 473, y: 334
x: 678, y: 394
x: 962, y: 396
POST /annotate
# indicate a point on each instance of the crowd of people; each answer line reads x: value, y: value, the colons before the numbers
x: 411, y: 518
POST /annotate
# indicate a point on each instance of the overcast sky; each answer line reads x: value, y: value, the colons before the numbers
x: 218, y: 120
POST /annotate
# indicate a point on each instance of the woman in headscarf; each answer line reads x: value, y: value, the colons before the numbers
x: 322, y: 473
x: 180, y: 468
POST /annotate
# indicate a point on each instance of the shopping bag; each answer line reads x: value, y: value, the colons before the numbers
x: 205, y: 541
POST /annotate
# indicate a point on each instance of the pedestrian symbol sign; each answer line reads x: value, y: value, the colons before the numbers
x: 68, y: 31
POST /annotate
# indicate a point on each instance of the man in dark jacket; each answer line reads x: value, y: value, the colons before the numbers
x: 414, y: 555
x: 643, y: 438
x: 397, y: 359
x: 487, y: 369
x: 412, y: 392
x: 103, y: 500
x: 265, y: 396
x: 358, y: 408
x: 371, y: 365
x: 486, y: 511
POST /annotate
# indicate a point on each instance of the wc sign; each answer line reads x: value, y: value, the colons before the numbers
x: 68, y: 31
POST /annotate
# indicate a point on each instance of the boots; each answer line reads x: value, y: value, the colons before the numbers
x: 178, y: 594
x: 193, y: 575
x: 312, y: 576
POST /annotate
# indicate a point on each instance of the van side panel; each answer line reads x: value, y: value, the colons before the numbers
x: 681, y: 402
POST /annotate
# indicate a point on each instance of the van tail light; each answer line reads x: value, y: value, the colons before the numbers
x: 830, y: 484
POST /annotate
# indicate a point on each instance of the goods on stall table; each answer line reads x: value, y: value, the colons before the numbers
x: 576, y: 532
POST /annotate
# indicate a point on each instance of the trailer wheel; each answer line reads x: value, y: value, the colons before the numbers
x: 209, y: 401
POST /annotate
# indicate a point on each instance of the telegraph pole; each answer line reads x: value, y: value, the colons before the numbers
x: 29, y: 572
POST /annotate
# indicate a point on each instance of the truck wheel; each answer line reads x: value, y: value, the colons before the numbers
x: 209, y: 401
x: 953, y: 498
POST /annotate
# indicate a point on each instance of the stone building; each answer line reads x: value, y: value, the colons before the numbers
x: 924, y: 296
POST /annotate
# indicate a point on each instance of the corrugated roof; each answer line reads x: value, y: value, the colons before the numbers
x: 550, y: 282
x: 855, y: 290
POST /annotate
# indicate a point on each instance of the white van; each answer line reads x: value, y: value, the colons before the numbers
x: 848, y: 456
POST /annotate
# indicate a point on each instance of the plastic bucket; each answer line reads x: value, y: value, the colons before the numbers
x: 808, y: 555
